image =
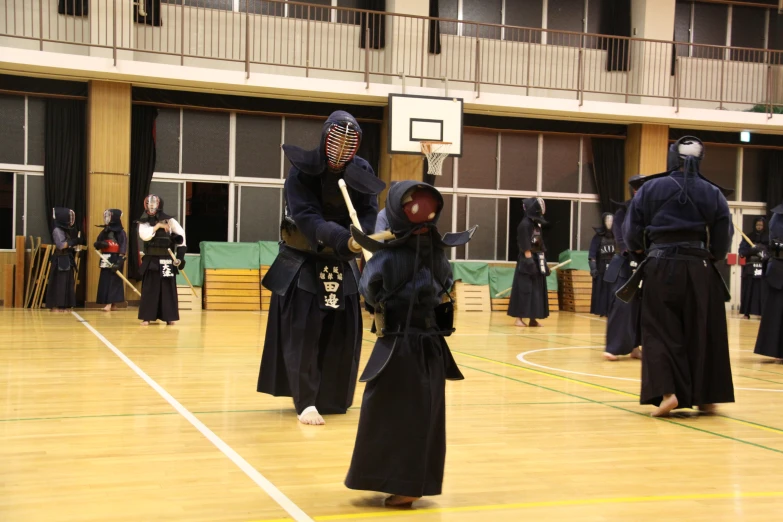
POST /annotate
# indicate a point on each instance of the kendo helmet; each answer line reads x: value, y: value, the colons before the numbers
x: 64, y: 217
x: 342, y: 139
x: 534, y: 208
x: 112, y: 216
x: 412, y: 206
x: 688, y: 150
x: 152, y: 204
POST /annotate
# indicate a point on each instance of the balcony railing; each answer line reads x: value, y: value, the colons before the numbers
x: 330, y: 42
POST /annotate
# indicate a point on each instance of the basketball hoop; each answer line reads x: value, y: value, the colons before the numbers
x: 436, y: 153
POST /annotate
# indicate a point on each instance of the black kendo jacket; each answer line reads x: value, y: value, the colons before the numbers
x: 317, y: 222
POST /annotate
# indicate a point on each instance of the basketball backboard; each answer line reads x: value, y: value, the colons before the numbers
x: 413, y: 119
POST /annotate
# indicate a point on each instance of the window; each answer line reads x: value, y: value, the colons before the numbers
x: 206, y: 213
x: 561, y: 164
x: 258, y: 213
x: 720, y: 166
x: 519, y: 161
x: 590, y: 217
x: 205, y: 142
x: 22, y: 208
x: 478, y: 165
x: 12, y: 114
x: 7, y: 200
x: 753, y: 177
x: 485, y: 212
x: 258, y: 140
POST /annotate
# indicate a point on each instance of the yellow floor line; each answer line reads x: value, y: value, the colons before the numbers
x: 543, y: 504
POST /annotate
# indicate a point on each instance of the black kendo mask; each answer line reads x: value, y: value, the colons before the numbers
x: 534, y: 209
x: 341, y: 144
x: 64, y: 217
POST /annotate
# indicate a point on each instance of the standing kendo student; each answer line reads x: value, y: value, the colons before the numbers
x: 529, y: 296
x: 112, y: 243
x: 683, y: 221
x: 160, y: 233
x: 601, y: 252
x: 753, y: 291
x: 314, y: 330
x: 623, y: 330
x: 401, y: 440
x: 769, y: 341
x: 61, y: 288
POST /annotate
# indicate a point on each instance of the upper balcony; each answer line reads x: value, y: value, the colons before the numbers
x: 315, y: 41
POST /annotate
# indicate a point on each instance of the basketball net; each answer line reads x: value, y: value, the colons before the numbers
x: 436, y: 153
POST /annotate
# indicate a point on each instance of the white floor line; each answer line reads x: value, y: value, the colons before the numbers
x: 270, y: 489
x: 521, y: 358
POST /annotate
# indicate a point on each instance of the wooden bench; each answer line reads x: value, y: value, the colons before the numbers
x: 232, y: 289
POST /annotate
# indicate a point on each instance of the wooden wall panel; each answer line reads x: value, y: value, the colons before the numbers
x: 6, y: 259
x: 384, y: 165
x: 8, y: 286
x: 645, y: 149
x: 20, y: 273
x: 108, y: 181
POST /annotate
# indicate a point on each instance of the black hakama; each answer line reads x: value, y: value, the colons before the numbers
x: 158, y: 293
x: 770, y: 337
x: 623, y: 324
x: 602, y: 293
x: 529, y: 296
x: 401, y: 441
x: 110, y: 286
x: 61, y: 289
x: 686, y: 346
x: 752, y: 295
x: 310, y: 354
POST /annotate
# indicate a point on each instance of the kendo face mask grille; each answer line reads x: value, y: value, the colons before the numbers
x: 342, y: 142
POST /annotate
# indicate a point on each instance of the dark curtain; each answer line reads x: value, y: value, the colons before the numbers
x: 370, y: 147
x: 73, y: 7
x: 65, y: 158
x: 374, y: 23
x: 142, y: 167
x: 616, y: 21
x: 434, y: 44
x: 609, y: 170
x: 774, y: 173
x: 151, y: 13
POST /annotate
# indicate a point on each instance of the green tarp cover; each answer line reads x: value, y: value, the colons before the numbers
x: 230, y: 255
x: 471, y: 273
x: 501, y: 278
x: 578, y: 259
x: 193, y: 269
x: 268, y: 251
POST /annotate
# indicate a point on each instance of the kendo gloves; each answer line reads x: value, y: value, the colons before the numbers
x: 100, y: 244
x: 116, y: 267
x: 593, y: 268
x: 332, y: 235
x: 76, y: 241
x: 181, y: 251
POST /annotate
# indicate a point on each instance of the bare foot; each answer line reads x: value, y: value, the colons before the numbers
x: 170, y: 323
x: 610, y: 357
x: 779, y: 361
x: 520, y: 322
x: 534, y: 323
x: 636, y: 353
x: 667, y: 405
x: 106, y: 308
x: 311, y: 417
x: 707, y: 409
x: 400, y: 501
x: 145, y: 323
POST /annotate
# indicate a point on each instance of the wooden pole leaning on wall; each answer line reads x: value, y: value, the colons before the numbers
x: 20, y: 271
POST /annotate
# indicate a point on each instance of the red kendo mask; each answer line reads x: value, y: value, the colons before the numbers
x: 420, y: 206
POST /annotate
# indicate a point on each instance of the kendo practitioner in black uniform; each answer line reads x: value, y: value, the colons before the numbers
x: 314, y: 330
x: 401, y: 441
x: 682, y: 220
x: 623, y: 329
x: 601, y: 252
x: 529, y: 296
x: 754, y: 288
x: 160, y: 232
x: 112, y: 243
x: 61, y: 288
x: 769, y: 341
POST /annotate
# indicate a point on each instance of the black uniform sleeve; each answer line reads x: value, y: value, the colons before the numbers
x: 721, y: 230
x: 525, y: 235
x: 617, y: 228
x: 366, y: 211
x: 595, y: 244
x: 745, y: 249
x: 633, y: 225
x: 122, y: 240
x: 372, y: 279
x: 443, y: 272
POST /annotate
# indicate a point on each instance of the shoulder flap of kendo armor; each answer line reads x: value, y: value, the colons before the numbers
x: 308, y: 161
x: 450, y: 240
x: 361, y: 178
x: 637, y: 184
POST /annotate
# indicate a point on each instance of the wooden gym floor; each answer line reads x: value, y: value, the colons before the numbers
x: 102, y: 420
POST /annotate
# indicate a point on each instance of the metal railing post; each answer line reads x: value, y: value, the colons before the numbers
x: 367, y: 56
x: 527, y: 74
x: 580, y: 72
x: 677, y: 83
x: 628, y: 68
x: 478, y: 68
x: 182, y: 34
x: 40, y: 25
x: 114, y: 33
x: 424, y: 45
x: 770, y: 107
x: 247, y: 41
x: 722, y: 64
x: 307, y: 51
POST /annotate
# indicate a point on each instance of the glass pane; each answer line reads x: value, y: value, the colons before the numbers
x: 205, y: 142
x: 319, y: 12
x: 720, y: 166
x: 483, y: 214
x: 591, y: 217
x: 502, y: 244
x: 19, y: 205
x: 167, y: 141
x: 37, y: 217
x: 171, y: 194
x: 478, y: 164
x: 561, y: 164
x: 258, y: 146
x: 446, y: 179
x: 518, y: 161
x: 448, y: 9
x: 207, y: 214
x: 444, y: 223
x: 36, y: 120
x: 462, y: 206
x: 753, y: 178
x: 259, y: 214
x: 12, y: 129
x: 557, y: 234
x: 303, y: 133
x: 565, y: 15
x: 588, y: 174
x: 7, y: 209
